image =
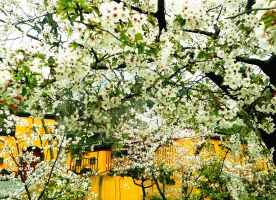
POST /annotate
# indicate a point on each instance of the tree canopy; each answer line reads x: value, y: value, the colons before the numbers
x: 103, y: 67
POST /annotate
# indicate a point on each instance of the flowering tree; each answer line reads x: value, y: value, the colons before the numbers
x: 196, y: 167
x: 140, y: 140
x: 39, y: 172
x: 96, y: 64
x: 213, y: 168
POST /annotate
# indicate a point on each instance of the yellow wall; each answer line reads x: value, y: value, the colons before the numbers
x: 115, y: 188
x: 106, y: 187
x: 26, y: 136
x: 123, y: 188
x: 103, y: 162
x: 8, y: 163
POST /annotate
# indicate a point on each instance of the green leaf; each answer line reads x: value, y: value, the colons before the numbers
x: 152, y: 20
x: 71, y: 9
x: 206, y: 172
x: 180, y: 20
x: 24, y: 91
x: 19, y: 75
x: 95, y: 9
x: 26, y: 69
x: 32, y: 81
x: 124, y: 38
x: 138, y: 37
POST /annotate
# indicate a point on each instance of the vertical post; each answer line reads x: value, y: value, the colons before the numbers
x: 49, y: 140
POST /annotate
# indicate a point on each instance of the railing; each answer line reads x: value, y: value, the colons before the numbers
x: 84, y: 164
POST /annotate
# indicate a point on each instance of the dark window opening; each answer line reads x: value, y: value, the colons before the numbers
x: 78, y: 162
x: 92, y: 161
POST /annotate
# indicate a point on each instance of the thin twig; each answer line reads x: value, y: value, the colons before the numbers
x: 210, y: 34
x: 52, y: 169
x: 213, y: 8
x: 32, y: 19
x: 49, y: 140
x: 249, y: 11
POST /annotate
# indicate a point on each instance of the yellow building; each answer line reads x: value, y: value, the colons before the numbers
x: 27, y: 136
x: 175, y: 156
x: 99, y: 161
x: 123, y: 188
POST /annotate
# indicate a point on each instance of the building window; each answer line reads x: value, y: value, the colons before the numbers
x: 78, y: 162
x: 1, y: 161
x: 92, y: 161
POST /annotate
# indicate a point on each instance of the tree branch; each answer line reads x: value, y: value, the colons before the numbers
x: 32, y: 19
x: 249, y: 11
x: 253, y: 61
x: 200, y: 32
x: 267, y: 66
x: 49, y: 140
x: 249, y: 4
x: 268, y: 139
x: 218, y: 80
x: 52, y: 170
x: 28, y: 35
x: 161, y: 17
x: 133, y: 7
x: 104, y: 67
